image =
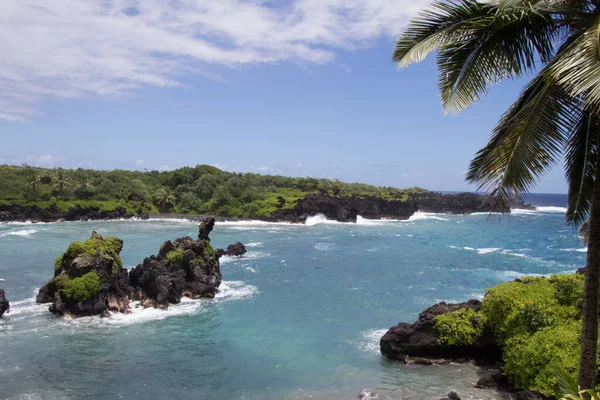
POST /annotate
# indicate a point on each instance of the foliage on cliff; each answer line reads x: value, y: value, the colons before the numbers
x: 202, y: 189
x: 536, y: 321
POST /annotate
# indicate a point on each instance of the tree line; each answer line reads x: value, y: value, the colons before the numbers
x: 199, y: 189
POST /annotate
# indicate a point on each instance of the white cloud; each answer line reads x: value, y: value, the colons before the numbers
x: 165, y: 167
x: 139, y: 162
x: 345, y: 68
x: 107, y: 49
x: 45, y: 160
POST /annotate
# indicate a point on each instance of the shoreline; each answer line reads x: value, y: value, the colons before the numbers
x: 201, y: 217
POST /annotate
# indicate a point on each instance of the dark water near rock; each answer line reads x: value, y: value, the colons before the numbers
x: 300, y: 317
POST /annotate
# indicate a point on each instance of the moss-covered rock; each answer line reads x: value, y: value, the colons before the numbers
x: 534, y: 322
x: 184, y: 267
x: 89, y: 279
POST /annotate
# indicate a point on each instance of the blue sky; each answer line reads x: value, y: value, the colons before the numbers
x: 301, y: 88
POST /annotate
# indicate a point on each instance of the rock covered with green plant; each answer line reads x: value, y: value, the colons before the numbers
x: 532, y: 324
x: 89, y: 279
x: 182, y: 268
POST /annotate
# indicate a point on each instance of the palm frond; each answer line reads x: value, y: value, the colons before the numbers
x: 580, y: 162
x: 505, y: 44
x: 525, y: 143
x: 577, y: 66
x: 441, y: 24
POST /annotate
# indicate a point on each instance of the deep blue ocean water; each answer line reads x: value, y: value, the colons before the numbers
x: 299, y: 317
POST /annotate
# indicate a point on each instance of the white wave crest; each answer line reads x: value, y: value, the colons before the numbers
x: 254, y: 244
x: 251, y: 255
x: 369, y: 342
x: 421, y: 215
x: 551, y: 209
x: 252, y: 222
x: 487, y: 250
x: 22, y: 233
x: 320, y: 219
x: 581, y: 250
x: 539, y: 209
x: 235, y: 290
x: 365, y: 221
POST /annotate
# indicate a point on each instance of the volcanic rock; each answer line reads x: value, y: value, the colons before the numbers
x: 233, y: 250
x: 184, y: 267
x: 421, y: 340
x: 4, y: 304
x: 89, y: 279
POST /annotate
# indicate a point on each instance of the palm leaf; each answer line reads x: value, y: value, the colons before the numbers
x: 580, y: 162
x: 443, y: 23
x: 503, y: 45
x: 578, y: 67
x: 525, y: 143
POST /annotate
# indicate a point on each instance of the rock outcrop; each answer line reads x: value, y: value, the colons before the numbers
x: 233, y: 250
x: 184, y: 267
x: 4, y: 304
x: 347, y: 209
x: 405, y: 342
x: 52, y: 213
x: 89, y: 279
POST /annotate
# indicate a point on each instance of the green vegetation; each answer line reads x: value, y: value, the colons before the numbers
x: 106, y: 247
x: 461, y: 327
x: 82, y: 288
x: 201, y: 189
x: 174, y: 256
x: 555, y: 45
x: 536, y: 321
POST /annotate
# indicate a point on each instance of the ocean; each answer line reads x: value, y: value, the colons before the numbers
x: 299, y: 317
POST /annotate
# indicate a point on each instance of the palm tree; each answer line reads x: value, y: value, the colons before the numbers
x: 61, y: 180
x: 557, y: 114
x: 165, y: 198
x: 35, y: 178
x: 84, y: 186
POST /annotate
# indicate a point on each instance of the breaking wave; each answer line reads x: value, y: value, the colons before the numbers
x: 22, y: 233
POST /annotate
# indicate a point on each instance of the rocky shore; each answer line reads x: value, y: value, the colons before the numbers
x: 89, y: 278
x: 338, y: 208
x: 421, y: 343
x: 18, y: 213
x: 4, y: 304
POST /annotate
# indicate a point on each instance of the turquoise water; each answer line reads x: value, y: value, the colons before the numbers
x: 299, y: 317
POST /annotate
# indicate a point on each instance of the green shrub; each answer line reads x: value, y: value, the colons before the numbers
x: 531, y: 361
x: 60, y: 281
x: 82, y: 288
x: 461, y: 327
x: 58, y: 263
x: 514, y: 308
x: 109, y: 246
x: 174, y: 257
x: 568, y: 289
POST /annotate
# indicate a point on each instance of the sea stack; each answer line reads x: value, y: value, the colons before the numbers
x: 184, y: 267
x: 4, y: 304
x: 89, y: 279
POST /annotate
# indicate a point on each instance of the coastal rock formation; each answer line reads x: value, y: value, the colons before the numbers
x: 4, y: 304
x: 233, y: 250
x: 421, y: 340
x: 346, y: 209
x: 185, y: 267
x: 89, y: 279
x: 53, y: 213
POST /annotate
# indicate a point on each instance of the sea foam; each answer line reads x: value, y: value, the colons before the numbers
x: 22, y: 233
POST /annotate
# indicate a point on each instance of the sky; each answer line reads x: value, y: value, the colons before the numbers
x: 289, y: 87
